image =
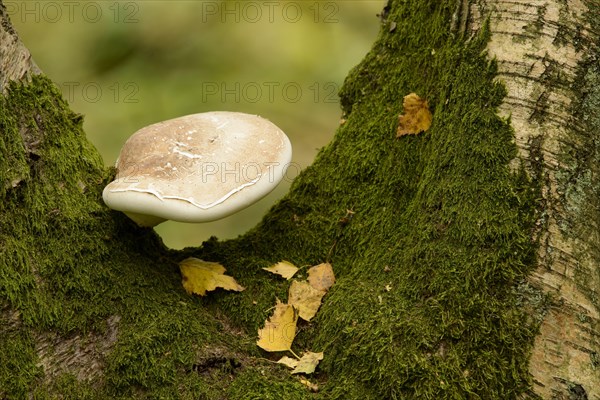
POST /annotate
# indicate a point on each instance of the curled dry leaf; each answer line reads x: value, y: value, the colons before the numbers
x: 416, y: 118
x: 321, y: 276
x: 200, y: 276
x: 305, y: 298
x: 280, y: 330
x: 284, y: 268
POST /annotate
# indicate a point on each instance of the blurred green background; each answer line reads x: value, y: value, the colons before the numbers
x: 127, y: 64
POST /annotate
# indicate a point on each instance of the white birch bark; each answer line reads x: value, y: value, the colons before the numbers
x: 15, y: 60
x: 542, y: 47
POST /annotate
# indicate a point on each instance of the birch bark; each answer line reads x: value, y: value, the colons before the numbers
x: 544, y: 50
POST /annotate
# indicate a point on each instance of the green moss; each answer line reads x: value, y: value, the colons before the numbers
x: 67, y: 384
x: 68, y: 263
x: 17, y: 359
x: 430, y: 269
x: 256, y: 384
x: 442, y: 211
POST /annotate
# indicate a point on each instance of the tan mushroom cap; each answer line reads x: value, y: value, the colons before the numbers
x: 198, y: 167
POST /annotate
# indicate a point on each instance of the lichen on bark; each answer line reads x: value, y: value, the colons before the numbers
x: 547, y: 55
x: 427, y: 301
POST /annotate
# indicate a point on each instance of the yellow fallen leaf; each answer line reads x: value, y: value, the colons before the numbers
x: 280, y: 330
x: 305, y: 365
x: 200, y: 276
x: 283, y: 268
x: 321, y: 276
x: 288, y: 362
x: 308, y: 363
x: 305, y: 298
x: 416, y: 117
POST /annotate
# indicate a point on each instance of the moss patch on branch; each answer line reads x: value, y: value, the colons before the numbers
x: 91, y: 305
x: 426, y: 303
x: 430, y: 269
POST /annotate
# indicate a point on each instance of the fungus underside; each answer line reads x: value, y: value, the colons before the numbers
x: 438, y: 217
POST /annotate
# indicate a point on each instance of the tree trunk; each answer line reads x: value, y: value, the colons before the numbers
x: 466, y: 256
x: 547, y: 55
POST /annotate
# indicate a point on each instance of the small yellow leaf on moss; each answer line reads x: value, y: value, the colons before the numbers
x: 280, y: 330
x: 200, y: 276
x: 308, y: 363
x: 305, y: 298
x: 321, y: 276
x: 283, y: 268
x: 305, y: 365
x: 416, y: 117
x: 288, y: 362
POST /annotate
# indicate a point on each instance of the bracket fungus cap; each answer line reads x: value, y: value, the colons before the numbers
x: 198, y: 168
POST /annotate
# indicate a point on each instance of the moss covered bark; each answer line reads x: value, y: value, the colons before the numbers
x: 430, y: 268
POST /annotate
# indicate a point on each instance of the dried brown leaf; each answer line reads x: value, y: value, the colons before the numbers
x: 416, y: 118
x: 321, y: 276
x: 305, y: 298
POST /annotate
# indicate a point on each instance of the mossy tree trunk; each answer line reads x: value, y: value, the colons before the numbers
x: 469, y: 268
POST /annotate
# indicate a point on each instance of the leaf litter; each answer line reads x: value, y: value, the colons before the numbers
x: 304, y: 300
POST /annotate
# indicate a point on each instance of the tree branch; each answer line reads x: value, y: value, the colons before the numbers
x: 16, y: 63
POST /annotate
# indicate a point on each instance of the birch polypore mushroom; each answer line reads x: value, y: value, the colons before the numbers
x: 198, y: 167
